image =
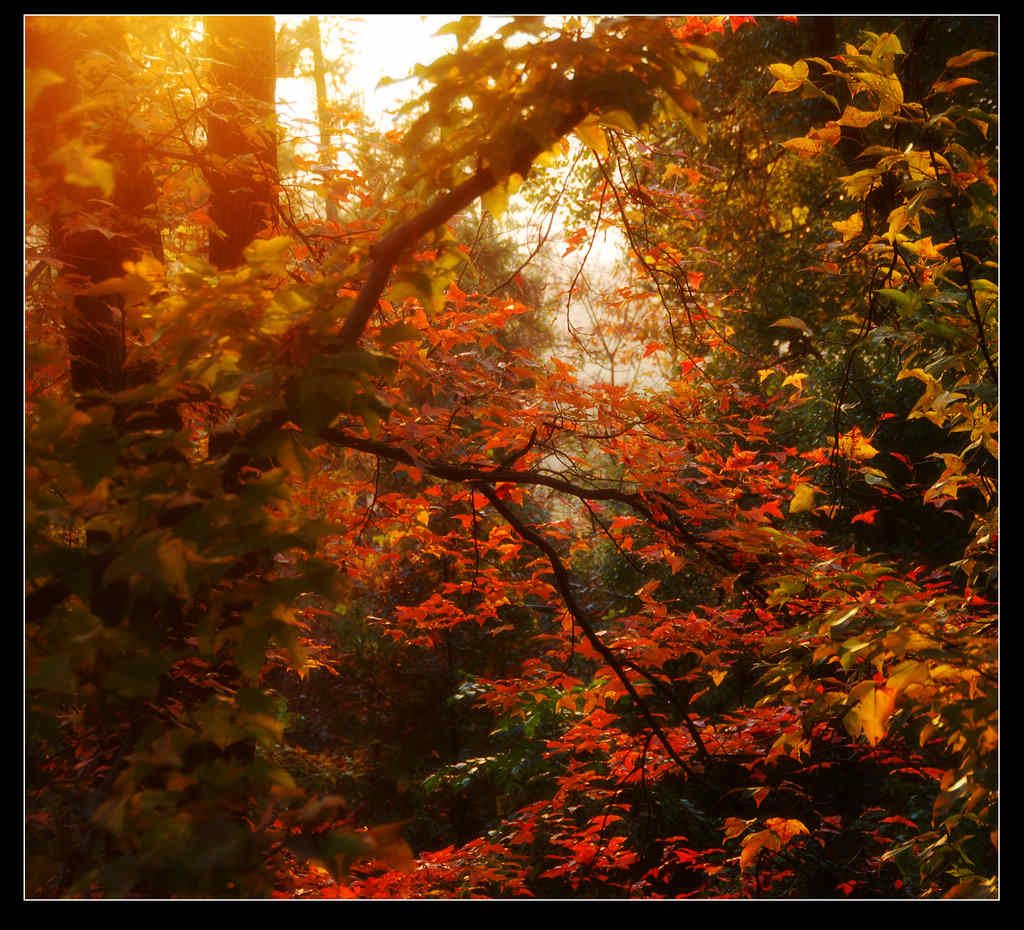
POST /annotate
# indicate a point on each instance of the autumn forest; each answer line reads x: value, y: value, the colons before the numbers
x: 577, y: 479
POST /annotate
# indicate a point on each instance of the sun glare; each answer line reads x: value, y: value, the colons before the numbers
x: 383, y: 45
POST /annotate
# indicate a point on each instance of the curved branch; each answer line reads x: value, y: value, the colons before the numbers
x: 385, y: 254
x: 579, y: 615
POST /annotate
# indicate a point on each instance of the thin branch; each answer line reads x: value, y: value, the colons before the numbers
x: 579, y: 615
x: 543, y: 236
x: 669, y: 521
x: 975, y: 312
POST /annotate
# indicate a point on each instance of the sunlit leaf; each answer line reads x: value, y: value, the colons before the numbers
x: 792, y: 322
x: 968, y: 58
x: 870, y: 715
x: 591, y: 132
x: 855, y: 446
x: 803, y: 499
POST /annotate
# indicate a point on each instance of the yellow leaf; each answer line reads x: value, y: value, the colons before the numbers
x: 858, y: 184
x: 850, y: 228
x: 858, y: 119
x: 925, y: 248
x: 803, y: 146
x: 734, y: 826
x: 899, y: 219
x: 36, y: 81
x: 796, y: 379
x: 887, y: 89
x: 754, y: 843
x: 869, y: 717
x: 268, y: 251
x: 148, y: 267
x: 792, y: 322
x: 620, y: 119
x: 789, y: 77
x: 906, y: 674
x: 854, y: 446
x: 829, y: 134
x: 172, y: 557
x: 83, y: 169
x: 496, y: 201
x: 803, y: 499
x: 672, y: 170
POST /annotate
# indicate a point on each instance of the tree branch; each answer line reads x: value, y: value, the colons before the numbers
x: 385, y: 254
x: 670, y: 523
x: 579, y: 615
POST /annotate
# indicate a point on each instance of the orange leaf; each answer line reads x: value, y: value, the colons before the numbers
x: 754, y: 843
x: 785, y: 829
x: 944, y: 87
x: 968, y: 58
x: 858, y: 119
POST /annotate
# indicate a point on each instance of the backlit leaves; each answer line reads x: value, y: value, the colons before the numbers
x: 712, y: 622
x: 788, y: 77
x: 869, y: 717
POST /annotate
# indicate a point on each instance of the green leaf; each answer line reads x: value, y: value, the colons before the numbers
x: 399, y: 332
x: 251, y: 651
x: 137, y: 676
x: 52, y: 673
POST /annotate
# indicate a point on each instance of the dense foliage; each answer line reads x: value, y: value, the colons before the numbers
x: 374, y: 551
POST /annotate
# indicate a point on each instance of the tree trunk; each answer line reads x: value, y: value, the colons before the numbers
x: 323, y: 116
x: 120, y: 225
x: 241, y: 133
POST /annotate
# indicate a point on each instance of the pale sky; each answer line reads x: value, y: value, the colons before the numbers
x: 390, y: 45
x: 384, y: 45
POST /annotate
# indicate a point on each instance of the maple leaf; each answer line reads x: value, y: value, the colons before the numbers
x: 870, y: 715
